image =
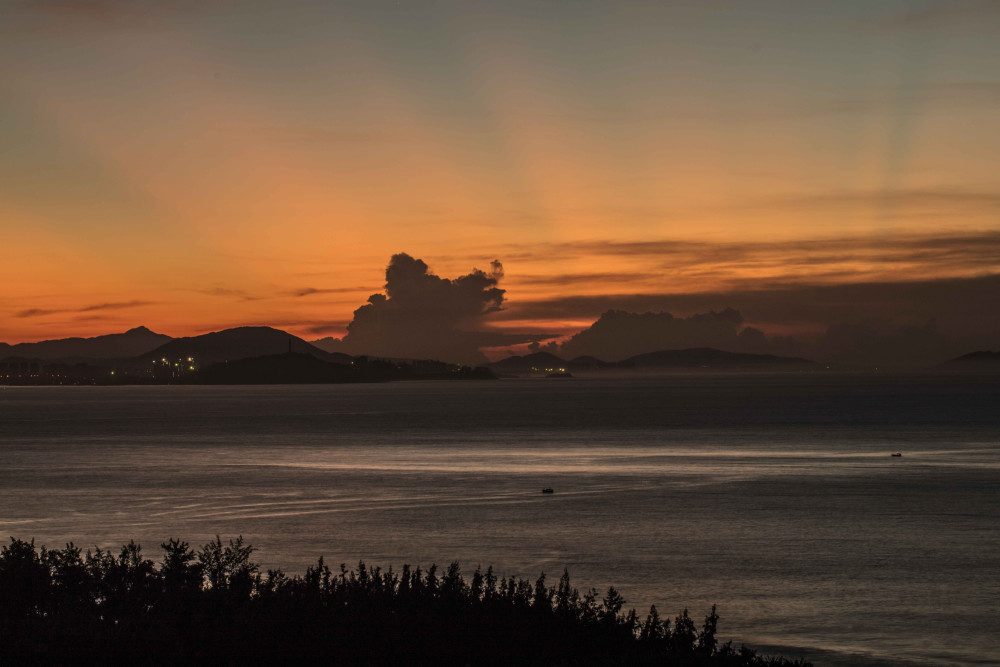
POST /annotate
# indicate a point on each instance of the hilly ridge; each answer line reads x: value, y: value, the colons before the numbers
x: 136, y: 349
x: 981, y: 361
x: 237, y: 343
x: 131, y: 343
x: 702, y: 357
x: 706, y: 358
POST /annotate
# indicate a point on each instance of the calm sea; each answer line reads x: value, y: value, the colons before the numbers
x: 774, y: 497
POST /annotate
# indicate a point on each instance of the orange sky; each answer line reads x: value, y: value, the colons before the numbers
x: 249, y: 163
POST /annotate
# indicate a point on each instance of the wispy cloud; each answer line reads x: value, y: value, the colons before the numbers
x: 576, y: 278
x: 230, y: 293
x: 274, y: 293
x: 913, y: 201
x: 309, y: 291
x: 764, y: 264
x: 327, y: 328
x: 112, y: 13
x: 952, y: 12
x: 313, y: 136
x: 120, y: 305
x: 310, y: 326
x: 966, y: 306
x: 882, y: 99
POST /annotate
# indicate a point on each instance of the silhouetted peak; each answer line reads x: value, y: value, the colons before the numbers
x: 710, y: 357
x: 542, y: 358
x: 529, y: 362
x: 236, y: 343
x: 587, y: 360
x: 107, y: 346
x: 249, y: 329
x: 980, y: 355
x: 533, y: 358
x: 324, y: 340
x: 981, y: 361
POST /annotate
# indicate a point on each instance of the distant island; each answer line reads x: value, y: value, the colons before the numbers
x: 695, y: 359
x: 983, y: 361
x: 215, y: 605
x: 132, y: 343
x: 302, y: 368
x: 264, y: 355
x: 243, y: 355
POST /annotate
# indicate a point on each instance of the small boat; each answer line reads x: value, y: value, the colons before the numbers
x: 897, y: 453
x: 548, y: 489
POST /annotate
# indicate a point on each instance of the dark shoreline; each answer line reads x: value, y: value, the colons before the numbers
x: 69, y: 606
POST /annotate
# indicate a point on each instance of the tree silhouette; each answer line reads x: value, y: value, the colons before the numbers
x: 214, y: 605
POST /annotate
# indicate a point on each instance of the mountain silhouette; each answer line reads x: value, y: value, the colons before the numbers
x: 982, y: 361
x: 303, y: 368
x: 537, y: 361
x: 237, y: 343
x: 132, y: 343
x: 706, y: 358
x: 327, y: 343
x: 588, y: 362
x: 287, y: 368
x: 711, y: 358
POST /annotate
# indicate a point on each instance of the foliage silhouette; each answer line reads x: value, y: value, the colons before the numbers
x: 214, y: 604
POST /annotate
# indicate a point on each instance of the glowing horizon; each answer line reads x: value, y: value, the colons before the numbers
x: 204, y: 167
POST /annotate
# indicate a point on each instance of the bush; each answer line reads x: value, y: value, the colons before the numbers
x: 214, y: 604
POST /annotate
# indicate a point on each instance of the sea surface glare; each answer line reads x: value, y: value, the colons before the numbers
x: 774, y: 497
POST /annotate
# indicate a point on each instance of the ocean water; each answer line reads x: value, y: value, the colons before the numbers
x: 774, y: 497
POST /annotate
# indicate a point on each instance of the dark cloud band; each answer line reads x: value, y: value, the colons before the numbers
x: 122, y: 305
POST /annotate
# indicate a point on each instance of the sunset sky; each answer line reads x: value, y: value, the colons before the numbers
x: 191, y: 166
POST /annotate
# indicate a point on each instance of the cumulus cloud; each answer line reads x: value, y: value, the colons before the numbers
x: 618, y: 334
x: 908, y: 345
x: 965, y: 308
x: 423, y: 316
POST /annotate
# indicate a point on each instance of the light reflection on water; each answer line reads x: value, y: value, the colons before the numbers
x: 775, y: 498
